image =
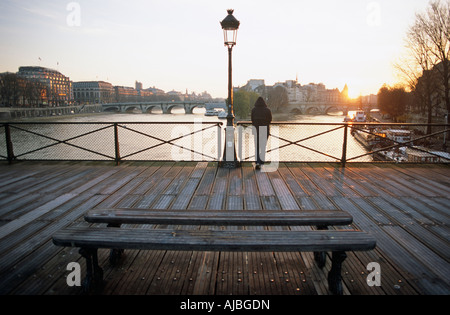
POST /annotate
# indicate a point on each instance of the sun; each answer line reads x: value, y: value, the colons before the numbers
x: 353, y: 93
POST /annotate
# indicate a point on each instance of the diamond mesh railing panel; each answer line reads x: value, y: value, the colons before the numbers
x: 194, y: 141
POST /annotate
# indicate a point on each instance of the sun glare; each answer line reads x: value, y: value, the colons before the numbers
x: 353, y: 94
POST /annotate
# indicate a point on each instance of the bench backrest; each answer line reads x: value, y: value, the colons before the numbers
x: 220, y: 218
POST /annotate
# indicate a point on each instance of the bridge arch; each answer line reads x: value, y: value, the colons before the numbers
x: 171, y: 107
x: 112, y: 109
x: 296, y: 111
x: 333, y: 109
x: 150, y: 109
x: 312, y: 110
x: 130, y: 109
x: 190, y: 109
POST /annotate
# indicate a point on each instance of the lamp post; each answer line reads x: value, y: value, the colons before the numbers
x: 230, y: 26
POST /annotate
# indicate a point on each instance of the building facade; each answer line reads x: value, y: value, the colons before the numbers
x: 93, y: 92
x: 60, y: 89
x: 125, y: 94
x: 298, y: 93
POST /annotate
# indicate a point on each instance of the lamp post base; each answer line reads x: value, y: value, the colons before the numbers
x: 229, y: 164
x: 229, y: 157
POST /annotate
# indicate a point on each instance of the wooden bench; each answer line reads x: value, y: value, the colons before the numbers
x: 320, y: 241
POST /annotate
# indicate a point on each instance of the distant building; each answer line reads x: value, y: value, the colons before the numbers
x: 370, y: 100
x: 138, y: 86
x: 155, y: 91
x: 204, y: 96
x: 176, y: 95
x: 93, y: 92
x: 298, y: 93
x: 253, y: 84
x: 60, y: 90
x: 124, y: 94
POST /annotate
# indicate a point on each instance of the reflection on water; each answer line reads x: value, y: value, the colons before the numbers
x: 287, y: 143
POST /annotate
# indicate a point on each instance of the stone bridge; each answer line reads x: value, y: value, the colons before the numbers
x: 165, y: 107
x: 318, y: 108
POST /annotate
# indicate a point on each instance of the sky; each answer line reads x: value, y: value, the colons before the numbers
x: 178, y: 45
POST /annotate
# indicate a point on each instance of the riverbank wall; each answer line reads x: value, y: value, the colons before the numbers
x: 21, y: 112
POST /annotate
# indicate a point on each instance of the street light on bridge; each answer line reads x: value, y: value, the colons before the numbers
x: 230, y: 26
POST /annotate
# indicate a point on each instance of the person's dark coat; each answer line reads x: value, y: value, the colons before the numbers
x: 261, y: 119
x: 261, y: 114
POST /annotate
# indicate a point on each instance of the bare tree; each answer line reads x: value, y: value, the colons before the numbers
x: 11, y: 89
x: 435, y: 24
x: 392, y: 100
x: 277, y: 97
x: 426, y: 67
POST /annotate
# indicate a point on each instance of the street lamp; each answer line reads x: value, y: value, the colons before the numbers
x: 230, y: 27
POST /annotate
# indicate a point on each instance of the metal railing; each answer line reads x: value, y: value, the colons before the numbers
x: 349, y: 142
x: 134, y: 141
x: 203, y: 141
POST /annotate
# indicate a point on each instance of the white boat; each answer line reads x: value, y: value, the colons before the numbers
x: 223, y: 115
x: 360, y: 116
x: 211, y: 112
x: 424, y: 155
x: 398, y: 153
x: 369, y: 137
x: 399, y: 135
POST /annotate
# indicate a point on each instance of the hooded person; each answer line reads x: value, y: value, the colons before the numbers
x: 261, y: 119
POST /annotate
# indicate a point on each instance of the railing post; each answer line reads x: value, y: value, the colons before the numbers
x: 116, y: 143
x: 344, y: 146
x: 9, y: 144
x: 219, y: 141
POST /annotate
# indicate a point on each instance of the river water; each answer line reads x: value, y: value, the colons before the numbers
x: 179, y: 137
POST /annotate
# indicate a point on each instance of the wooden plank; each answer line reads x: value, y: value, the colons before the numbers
x: 324, y: 181
x: 184, y: 197
x: 220, y: 185
x: 152, y: 176
x: 36, y: 266
x: 179, y: 180
x: 211, y: 217
x: 429, y: 208
x: 264, y: 185
x: 235, y: 203
x: 422, y: 252
x: 21, y: 261
x: 354, y: 187
x: 211, y: 240
x: 294, y: 186
x: 202, y: 275
x: 304, y: 181
x: 251, y: 197
x: 207, y: 181
x: 235, y: 185
x: 395, y: 253
x: 285, y: 198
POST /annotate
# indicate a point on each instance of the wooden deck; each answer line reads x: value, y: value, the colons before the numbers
x: 406, y: 208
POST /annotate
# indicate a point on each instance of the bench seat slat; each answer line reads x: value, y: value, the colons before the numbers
x: 249, y: 218
x: 208, y: 240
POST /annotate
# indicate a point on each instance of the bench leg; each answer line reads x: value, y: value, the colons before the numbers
x: 115, y: 254
x: 321, y: 257
x: 334, y: 276
x: 94, y: 273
